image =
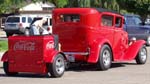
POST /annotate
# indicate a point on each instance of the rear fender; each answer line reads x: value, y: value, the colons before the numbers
x: 5, y: 57
x: 50, y: 58
x: 95, y: 49
x: 133, y: 50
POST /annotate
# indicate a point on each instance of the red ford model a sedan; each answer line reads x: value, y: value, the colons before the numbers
x: 96, y: 36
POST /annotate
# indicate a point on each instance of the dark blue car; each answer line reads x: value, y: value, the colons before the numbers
x: 136, y: 28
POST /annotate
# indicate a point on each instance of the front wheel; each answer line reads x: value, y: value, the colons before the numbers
x: 141, y: 57
x: 57, y: 68
x: 105, y: 58
x: 148, y: 41
x: 6, y: 69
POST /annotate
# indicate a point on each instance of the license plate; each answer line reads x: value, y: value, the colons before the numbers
x: 71, y: 58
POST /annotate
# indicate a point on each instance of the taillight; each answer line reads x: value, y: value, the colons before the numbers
x: 20, y: 25
x: 48, y: 28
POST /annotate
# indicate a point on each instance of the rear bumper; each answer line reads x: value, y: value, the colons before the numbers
x: 15, y: 31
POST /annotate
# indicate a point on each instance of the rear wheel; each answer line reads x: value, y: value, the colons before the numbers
x: 6, y: 69
x: 141, y: 57
x: 105, y: 58
x: 57, y: 68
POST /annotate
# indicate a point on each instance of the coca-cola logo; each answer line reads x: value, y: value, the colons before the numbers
x: 50, y: 45
x: 24, y: 45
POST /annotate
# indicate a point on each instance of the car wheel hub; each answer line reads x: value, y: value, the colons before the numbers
x: 143, y: 54
x: 106, y: 58
x: 60, y: 65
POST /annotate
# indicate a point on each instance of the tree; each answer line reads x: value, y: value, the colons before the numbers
x: 9, y: 6
x: 59, y: 3
x: 140, y: 7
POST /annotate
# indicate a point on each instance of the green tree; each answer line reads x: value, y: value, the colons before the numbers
x: 140, y: 7
x: 9, y: 6
x: 59, y: 3
x: 84, y: 3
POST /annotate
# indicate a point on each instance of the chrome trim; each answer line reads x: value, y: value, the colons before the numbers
x: 76, y: 53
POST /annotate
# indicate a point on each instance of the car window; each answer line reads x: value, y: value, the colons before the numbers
x: 70, y: 18
x: 23, y: 19
x: 118, y: 22
x: 107, y: 20
x: 130, y: 21
x: 138, y: 21
x: 13, y: 19
x: 29, y: 19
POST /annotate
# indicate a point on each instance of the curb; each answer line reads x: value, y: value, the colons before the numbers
x: 1, y: 54
x: 1, y: 63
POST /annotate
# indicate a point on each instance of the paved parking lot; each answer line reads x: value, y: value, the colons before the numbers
x: 120, y: 73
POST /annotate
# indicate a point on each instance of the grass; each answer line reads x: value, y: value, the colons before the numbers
x: 3, y: 46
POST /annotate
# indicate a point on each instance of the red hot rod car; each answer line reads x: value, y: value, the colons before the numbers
x: 85, y: 34
x: 95, y: 36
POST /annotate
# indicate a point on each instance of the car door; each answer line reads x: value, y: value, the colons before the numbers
x: 120, y: 39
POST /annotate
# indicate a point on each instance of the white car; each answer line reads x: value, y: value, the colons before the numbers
x: 17, y: 24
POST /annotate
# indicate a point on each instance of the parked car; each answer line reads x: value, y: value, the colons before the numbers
x: 17, y: 24
x: 136, y: 28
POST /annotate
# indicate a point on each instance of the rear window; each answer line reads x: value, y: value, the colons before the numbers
x: 13, y: 19
x: 107, y: 20
x: 70, y: 18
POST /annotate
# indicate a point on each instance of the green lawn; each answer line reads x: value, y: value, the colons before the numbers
x: 3, y: 46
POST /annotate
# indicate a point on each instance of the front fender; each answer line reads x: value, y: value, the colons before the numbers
x: 95, y: 49
x: 5, y: 57
x: 133, y: 50
x: 49, y: 58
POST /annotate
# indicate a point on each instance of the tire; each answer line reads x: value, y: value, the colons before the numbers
x: 148, y: 41
x: 141, y: 57
x: 105, y: 58
x: 57, y: 68
x: 6, y: 69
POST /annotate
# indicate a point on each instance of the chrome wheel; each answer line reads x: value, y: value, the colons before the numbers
x: 60, y: 65
x: 106, y: 57
x: 148, y: 41
x: 141, y: 58
x: 143, y: 54
x: 57, y: 68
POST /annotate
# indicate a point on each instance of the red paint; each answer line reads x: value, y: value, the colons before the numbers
x: 30, y: 53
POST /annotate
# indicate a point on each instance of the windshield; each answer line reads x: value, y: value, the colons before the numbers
x: 13, y: 19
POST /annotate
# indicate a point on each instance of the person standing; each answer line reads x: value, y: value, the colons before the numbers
x: 37, y: 27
